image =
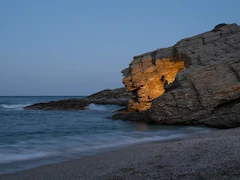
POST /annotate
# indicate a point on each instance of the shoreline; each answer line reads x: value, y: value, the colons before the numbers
x: 42, y: 161
x: 197, y: 156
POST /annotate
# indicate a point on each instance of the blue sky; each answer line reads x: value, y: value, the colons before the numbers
x: 78, y: 47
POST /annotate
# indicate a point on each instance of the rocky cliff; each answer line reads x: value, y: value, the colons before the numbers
x: 197, y: 81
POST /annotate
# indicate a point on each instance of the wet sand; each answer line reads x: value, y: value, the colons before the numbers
x: 213, y: 155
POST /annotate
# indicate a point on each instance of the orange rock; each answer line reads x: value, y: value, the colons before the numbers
x: 147, y: 78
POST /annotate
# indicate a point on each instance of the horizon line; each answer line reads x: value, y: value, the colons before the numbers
x: 38, y: 95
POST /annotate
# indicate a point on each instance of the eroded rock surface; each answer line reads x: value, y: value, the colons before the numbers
x: 114, y: 97
x: 207, y: 91
x: 148, y: 74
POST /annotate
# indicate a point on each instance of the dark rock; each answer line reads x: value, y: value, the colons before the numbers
x: 217, y: 27
x: 142, y: 116
x: 68, y: 104
x: 115, y: 97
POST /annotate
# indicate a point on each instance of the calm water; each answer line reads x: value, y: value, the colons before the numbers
x: 32, y: 138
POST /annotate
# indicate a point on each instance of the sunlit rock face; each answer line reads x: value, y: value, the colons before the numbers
x: 147, y: 75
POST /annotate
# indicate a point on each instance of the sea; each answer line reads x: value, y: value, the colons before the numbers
x: 31, y: 138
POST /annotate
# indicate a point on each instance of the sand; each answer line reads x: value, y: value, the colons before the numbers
x: 213, y: 155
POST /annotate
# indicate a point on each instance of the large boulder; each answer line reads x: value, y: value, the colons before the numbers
x: 114, y: 97
x: 205, y: 91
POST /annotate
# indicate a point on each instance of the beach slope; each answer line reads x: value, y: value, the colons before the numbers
x: 213, y: 155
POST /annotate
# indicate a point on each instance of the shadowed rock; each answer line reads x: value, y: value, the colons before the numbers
x: 115, y: 97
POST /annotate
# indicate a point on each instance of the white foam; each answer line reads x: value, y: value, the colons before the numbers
x: 12, y: 157
x: 74, y: 146
x: 96, y: 107
x: 122, y: 142
x: 14, y: 106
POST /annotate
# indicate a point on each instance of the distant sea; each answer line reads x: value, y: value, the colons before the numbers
x: 30, y: 138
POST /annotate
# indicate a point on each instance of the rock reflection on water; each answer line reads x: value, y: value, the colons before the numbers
x: 141, y: 127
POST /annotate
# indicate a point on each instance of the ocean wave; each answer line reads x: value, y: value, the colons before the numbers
x: 13, y: 157
x: 55, y: 150
x: 96, y: 107
x: 76, y: 146
x: 122, y: 141
x: 14, y: 106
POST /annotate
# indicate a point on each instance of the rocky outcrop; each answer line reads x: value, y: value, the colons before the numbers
x: 206, y: 89
x: 115, y: 97
x: 148, y: 74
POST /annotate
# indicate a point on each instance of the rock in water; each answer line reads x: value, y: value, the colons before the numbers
x: 205, y: 75
x: 115, y: 97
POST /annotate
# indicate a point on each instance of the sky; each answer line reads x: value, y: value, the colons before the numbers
x: 79, y: 47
